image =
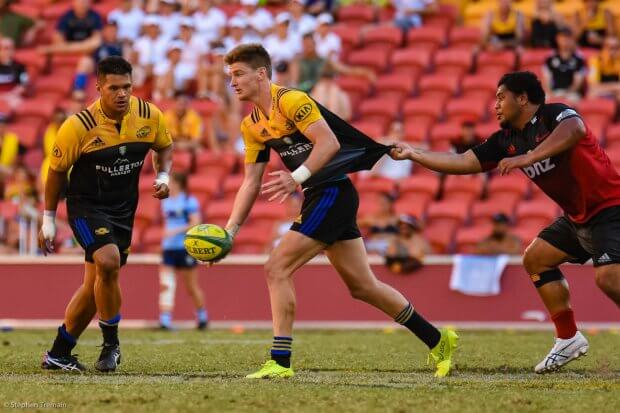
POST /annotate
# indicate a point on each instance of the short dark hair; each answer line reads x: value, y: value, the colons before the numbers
x: 181, y: 179
x: 252, y: 54
x: 524, y: 82
x: 113, y: 65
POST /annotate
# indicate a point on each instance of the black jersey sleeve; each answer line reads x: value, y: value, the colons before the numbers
x: 558, y: 112
x: 490, y: 152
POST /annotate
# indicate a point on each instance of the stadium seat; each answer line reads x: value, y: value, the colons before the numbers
x: 148, y: 211
x: 357, y: 87
x: 146, y: 183
x: 412, y: 205
x: 203, y: 187
x: 444, y: 18
x: 136, y: 240
x: 612, y: 136
x: 31, y: 58
x: 205, y: 108
x: 41, y: 109
x: 427, y: 110
x: 496, y: 62
x: 443, y: 133
x: 375, y: 130
x: 425, y: 186
x: 417, y: 130
x: 376, y: 185
x: 252, y: 240
x: 439, y: 85
x: 466, y: 109
x: 32, y: 159
x: 231, y: 185
x: 151, y: 239
x: 450, y: 210
x: 484, y: 130
x: 535, y: 57
x: 600, y: 110
x: 383, y: 37
x: 464, y: 188
x: 515, y: 184
x: 411, y: 60
x: 56, y: 83
x: 453, y: 61
x: 215, y: 164
x: 483, y: 211
x: 356, y: 14
x: 182, y: 161
x: 527, y: 233
x: 427, y: 37
x: 267, y: 212
x: 381, y: 110
x: 8, y: 210
x: 28, y: 132
x: 464, y: 38
x: 369, y: 204
x: 374, y: 59
x: 467, y: 238
x: 440, y: 235
x: 349, y: 37
x: 536, y: 212
x: 395, y: 86
x: 217, y: 211
x: 479, y: 87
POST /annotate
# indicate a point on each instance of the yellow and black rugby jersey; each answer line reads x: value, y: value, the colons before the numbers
x: 292, y: 111
x: 106, y: 158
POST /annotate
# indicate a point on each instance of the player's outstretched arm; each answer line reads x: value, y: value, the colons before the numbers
x: 55, y: 183
x: 445, y: 162
x: 162, y: 162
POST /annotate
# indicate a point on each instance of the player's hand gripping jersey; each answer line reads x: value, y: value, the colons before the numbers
x: 292, y: 111
x: 106, y: 158
x: 581, y: 180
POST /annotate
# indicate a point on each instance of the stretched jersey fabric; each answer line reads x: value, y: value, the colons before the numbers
x: 176, y: 212
x: 581, y: 180
x: 292, y: 111
x: 106, y: 158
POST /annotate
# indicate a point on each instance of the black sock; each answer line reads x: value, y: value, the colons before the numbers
x: 63, y: 344
x: 424, y: 330
x: 109, y: 328
x: 281, y: 351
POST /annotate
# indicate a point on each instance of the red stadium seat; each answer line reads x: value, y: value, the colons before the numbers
x: 467, y: 238
x: 151, y: 239
x: 597, y: 110
x: 444, y: 18
x: 218, y: 211
x: 496, y: 62
x: 252, y: 239
x: 612, y: 136
x: 374, y: 59
x: 28, y: 132
x: 205, y: 108
x: 388, y: 37
x: 376, y: 185
x: 443, y: 85
x: 427, y: 37
x: 411, y: 60
x: 426, y: 185
x: 349, y: 37
x: 515, y: 184
x: 356, y: 14
x: 453, y: 61
x: 465, y: 188
x: 396, y: 86
x: 483, y: 211
x: 232, y: 185
x: 267, y: 212
x: 148, y: 211
x: 375, y: 130
x: 535, y: 57
x: 215, y: 164
x: 60, y: 85
x: 417, y: 130
x: 38, y: 108
x: 412, y: 205
x: 449, y: 210
x: 484, y: 130
x: 31, y: 58
x: 203, y: 187
x: 427, y: 110
x: 479, y: 87
x: 440, y: 234
x: 465, y: 37
x: 536, y: 213
x: 357, y: 87
x: 379, y: 109
x: 182, y: 161
x: 465, y: 108
x: 443, y: 133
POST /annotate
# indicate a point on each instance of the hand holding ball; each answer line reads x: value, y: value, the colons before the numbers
x: 207, y: 242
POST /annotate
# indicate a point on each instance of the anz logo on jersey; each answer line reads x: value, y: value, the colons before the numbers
x: 539, y: 168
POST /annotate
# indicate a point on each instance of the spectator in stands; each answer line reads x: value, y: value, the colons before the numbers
x: 468, y: 139
x: 545, y: 24
x: 318, y: 7
x: 184, y: 124
x: 604, y: 74
x: 49, y: 137
x: 110, y: 46
x: 9, y: 149
x: 237, y: 34
x: 409, y: 13
x: 169, y: 18
x: 283, y: 47
x: 17, y: 27
x: 301, y: 22
x: 564, y: 72
x: 259, y: 20
x: 407, y: 251
x: 13, y: 75
x: 503, y: 28
x: 328, y: 93
x: 172, y: 75
x: 328, y: 43
x: 19, y: 187
x: 128, y: 18
x: 149, y: 51
x: 77, y: 31
x: 381, y: 227
x: 195, y: 48
x: 594, y: 24
x: 501, y: 240
x: 387, y: 167
x: 210, y: 21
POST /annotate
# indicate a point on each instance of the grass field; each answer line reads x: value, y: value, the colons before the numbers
x: 336, y: 371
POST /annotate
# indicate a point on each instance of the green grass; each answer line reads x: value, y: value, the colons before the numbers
x: 336, y: 371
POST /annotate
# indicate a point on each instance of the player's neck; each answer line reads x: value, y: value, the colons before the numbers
x: 112, y: 114
x: 263, y: 99
x: 526, y: 116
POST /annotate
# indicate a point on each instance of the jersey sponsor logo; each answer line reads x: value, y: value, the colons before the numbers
x: 117, y: 170
x: 97, y: 142
x: 303, y: 112
x: 122, y: 150
x: 539, y: 168
x: 102, y: 231
x: 296, y: 150
x: 564, y: 114
x: 143, y: 132
x: 56, y: 151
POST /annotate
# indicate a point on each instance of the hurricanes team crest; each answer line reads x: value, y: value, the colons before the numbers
x: 122, y: 150
x: 143, y: 132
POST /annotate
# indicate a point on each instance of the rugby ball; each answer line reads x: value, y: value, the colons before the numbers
x: 207, y: 242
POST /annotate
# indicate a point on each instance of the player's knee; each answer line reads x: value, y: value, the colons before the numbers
x: 363, y: 292
x: 532, y: 260
x: 108, y: 266
x: 606, y: 279
x: 275, y: 271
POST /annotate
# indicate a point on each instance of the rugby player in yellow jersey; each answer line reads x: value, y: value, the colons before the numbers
x: 104, y: 146
x: 319, y: 148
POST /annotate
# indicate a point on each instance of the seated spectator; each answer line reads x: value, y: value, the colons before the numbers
x: 328, y: 43
x: 594, y: 24
x: 468, y: 138
x: 149, y: 51
x: 387, y: 167
x: 9, y: 149
x: 78, y: 31
x: 128, y: 18
x: 301, y: 22
x: 195, y: 47
x: 544, y: 25
x: 172, y: 75
x: 406, y: 252
x: 237, y: 34
x: 501, y: 240
x: 504, y: 28
x: 328, y: 93
x: 209, y: 21
x: 318, y: 7
x: 184, y: 124
x: 283, y: 47
x: 14, y: 80
x: 169, y: 18
x: 19, y: 187
x: 110, y: 46
x: 381, y: 227
x: 49, y: 137
x: 604, y: 70
x: 17, y: 27
x: 259, y: 20
x: 409, y: 13
x: 564, y: 72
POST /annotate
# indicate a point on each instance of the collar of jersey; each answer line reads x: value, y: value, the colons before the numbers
x: 106, y: 118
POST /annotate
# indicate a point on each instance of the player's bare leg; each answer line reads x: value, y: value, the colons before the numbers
x: 190, y: 278
x: 350, y: 260
x: 541, y: 261
x: 108, y: 298
x: 167, y: 293
x: 608, y: 280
